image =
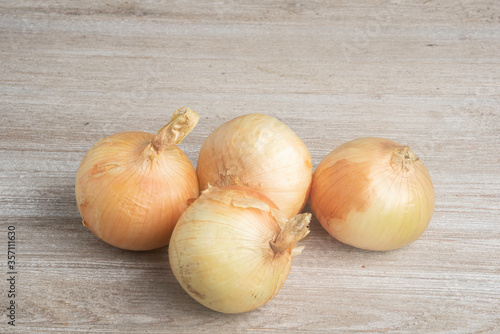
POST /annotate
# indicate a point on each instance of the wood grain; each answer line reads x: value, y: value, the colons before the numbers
x: 422, y: 73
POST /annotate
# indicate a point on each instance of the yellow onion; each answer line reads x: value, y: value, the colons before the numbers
x: 131, y: 187
x: 232, y: 249
x: 373, y: 193
x: 260, y: 152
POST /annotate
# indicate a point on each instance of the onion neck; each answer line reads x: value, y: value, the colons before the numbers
x: 295, y: 230
x: 182, y: 122
x: 402, y: 160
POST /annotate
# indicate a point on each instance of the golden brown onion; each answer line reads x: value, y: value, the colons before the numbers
x: 373, y: 193
x: 131, y: 187
x: 260, y: 152
x: 232, y: 248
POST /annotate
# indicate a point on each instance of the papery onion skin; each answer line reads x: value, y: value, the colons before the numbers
x: 130, y: 195
x: 221, y: 251
x: 373, y: 193
x: 261, y: 152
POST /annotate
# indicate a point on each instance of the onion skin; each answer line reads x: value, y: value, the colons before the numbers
x: 223, y: 251
x: 261, y: 152
x: 130, y: 194
x: 373, y: 193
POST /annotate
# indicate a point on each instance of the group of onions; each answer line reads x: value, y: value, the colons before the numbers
x: 231, y: 248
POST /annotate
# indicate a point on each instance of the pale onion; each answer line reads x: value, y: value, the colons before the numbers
x: 373, y: 193
x: 131, y: 187
x: 232, y: 249
x: 261, y: 152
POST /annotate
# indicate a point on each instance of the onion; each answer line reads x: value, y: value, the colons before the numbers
x: 260, y: 152
x: 373, y: 193
x: 232, y: 249
x: 132, y: 187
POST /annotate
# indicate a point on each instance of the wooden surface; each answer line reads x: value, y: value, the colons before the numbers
x: 423, y: 73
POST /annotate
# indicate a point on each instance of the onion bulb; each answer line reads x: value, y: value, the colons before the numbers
x: 373, y: 193
x: 132, y: 187
x: 260, y: 152
x: 232, y: 249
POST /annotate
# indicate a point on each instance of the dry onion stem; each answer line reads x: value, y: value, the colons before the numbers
x: 232, y: 248
x: 131, y: 187
x: 373, y: 193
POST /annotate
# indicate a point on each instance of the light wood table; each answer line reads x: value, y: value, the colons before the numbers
x: 423, y: 73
